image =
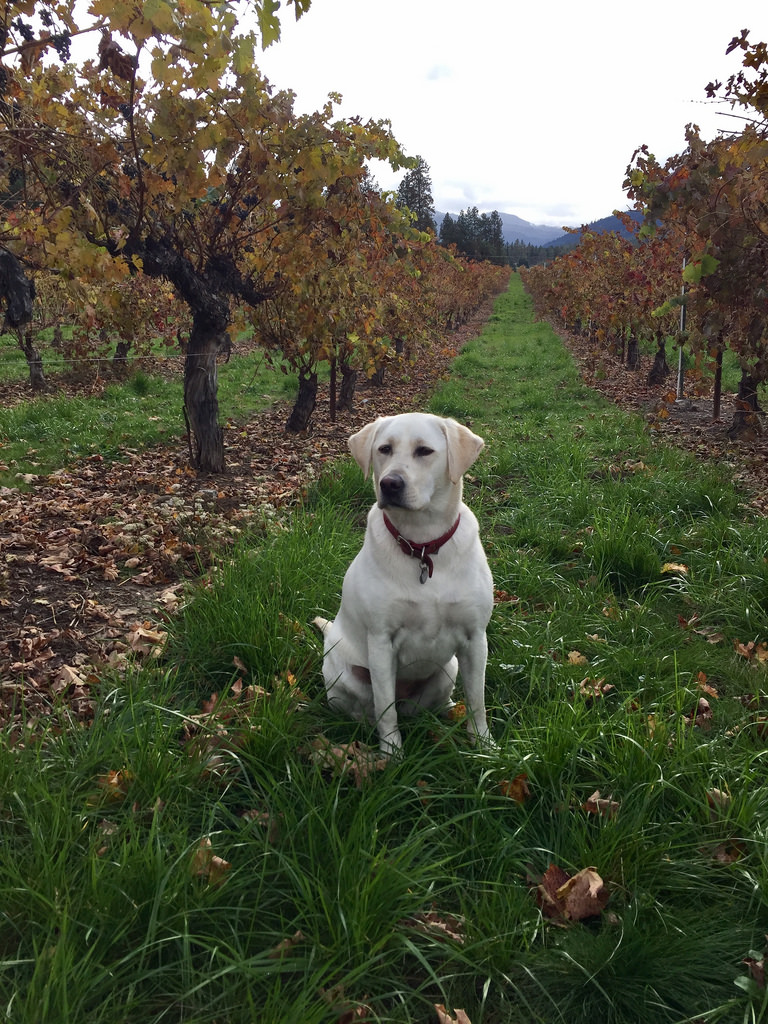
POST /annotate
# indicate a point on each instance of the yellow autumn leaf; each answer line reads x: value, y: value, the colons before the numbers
x: 207, y: 865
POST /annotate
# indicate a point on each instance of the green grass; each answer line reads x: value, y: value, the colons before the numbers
x: 52, y: 432
x: 105, y: 919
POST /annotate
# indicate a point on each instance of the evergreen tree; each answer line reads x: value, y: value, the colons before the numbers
x: 448, y: 232
x: 495, y: 234
x: 415, y: 193
x: 475, y: 234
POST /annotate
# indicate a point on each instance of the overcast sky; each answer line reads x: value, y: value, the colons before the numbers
x: 531, y: 108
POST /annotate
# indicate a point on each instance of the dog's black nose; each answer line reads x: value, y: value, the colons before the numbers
x: 392, y: 487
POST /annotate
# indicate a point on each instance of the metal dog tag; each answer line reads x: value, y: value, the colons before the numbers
x: 424, y: 575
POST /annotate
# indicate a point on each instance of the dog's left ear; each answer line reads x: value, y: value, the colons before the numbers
x: 463, y: 448
x: 361, y: 445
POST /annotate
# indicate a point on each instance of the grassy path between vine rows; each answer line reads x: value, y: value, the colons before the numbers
x: 239, y: 857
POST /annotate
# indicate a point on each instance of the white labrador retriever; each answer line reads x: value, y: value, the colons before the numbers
x: 416, y: 600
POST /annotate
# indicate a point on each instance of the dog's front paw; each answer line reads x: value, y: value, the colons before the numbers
x: 391, y: 745
x: 481, y: 738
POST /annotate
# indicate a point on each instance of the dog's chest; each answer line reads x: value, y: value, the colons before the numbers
x: 431, y: 629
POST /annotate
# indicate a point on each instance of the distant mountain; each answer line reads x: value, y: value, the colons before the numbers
x: 514, y: 228
x: 603, y: 226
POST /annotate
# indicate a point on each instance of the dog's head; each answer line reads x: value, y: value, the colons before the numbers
x: 416, y: 458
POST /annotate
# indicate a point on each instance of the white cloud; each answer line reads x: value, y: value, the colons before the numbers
x: 528, y: 109
x: 438, y: 71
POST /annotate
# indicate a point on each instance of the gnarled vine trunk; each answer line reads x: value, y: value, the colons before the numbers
x: 201, y: 404
x: 347, y: 390
x: 34, y: 360
x: 633, y: 353
x: 660, y: 370
x: 746, y: 418
x: 305, y: 403
x: 717, y: 387
x: 120, y: 358
x: 16, y: 290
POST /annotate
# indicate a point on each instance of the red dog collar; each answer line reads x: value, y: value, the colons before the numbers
x: 421, y: 551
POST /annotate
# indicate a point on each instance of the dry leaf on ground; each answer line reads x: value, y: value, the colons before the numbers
x: 146, y: 641
x: 705, y: 687
x: 563, y: 897
x: 205, y: 864
x: 359, y: 759
x: 728, y: 852
x: 675, y: 567
x: 756, y: 969
x: 516, y: 789
x: 593, y: 689
x: 701, y: 717
x: 286, y: 945
x: 437, y: 924
x: 444, y: 1017
x: 457, y: 712
x: 607, y: 807
x: 348, y: 1012
x: 719, y: 800
x: 754, y: 652
x: 113, y: 787
x: 268, y: 823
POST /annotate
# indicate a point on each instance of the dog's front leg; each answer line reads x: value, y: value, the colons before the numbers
x: 473, y: 657
x: 383, y: 669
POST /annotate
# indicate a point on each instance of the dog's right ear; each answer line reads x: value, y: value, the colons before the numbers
x: 361, y: 445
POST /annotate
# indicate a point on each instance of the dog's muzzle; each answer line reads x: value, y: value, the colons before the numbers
x: 392, y: 490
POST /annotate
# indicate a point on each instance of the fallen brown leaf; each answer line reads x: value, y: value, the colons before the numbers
x: 729, y: 852
x: 66, y: 677
x: 756, y: 969
x: 710, y: 634
x: 147, y: 641
x: 267, y: 821
x: 113, y: 787
x: 757, y: 652
x: 438, y: 924
x: 516, y: 789
x: 444, y: 1017
x: 359, y: 759
x: 675, y: 567
x: 704, y: 686
x: 718, y: 800
x: 348, y: 1012
x: 701, y: 717
x: 594, y: 688
x: 286, y: 945
x: 604, y: 806
x: 565, y: 897
x: 457, y: 712
x: 205, y: 864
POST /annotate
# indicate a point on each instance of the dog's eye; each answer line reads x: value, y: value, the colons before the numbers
x: 422, y: 451
x: 385, y: 449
